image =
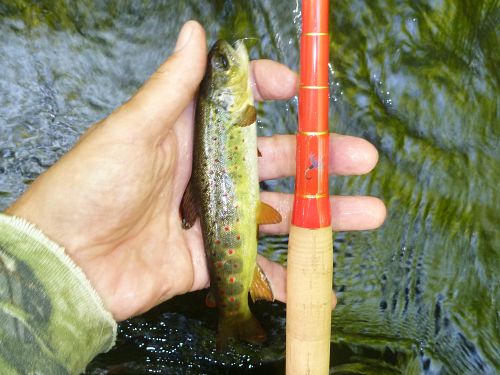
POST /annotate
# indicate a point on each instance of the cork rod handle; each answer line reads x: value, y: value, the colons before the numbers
x: 309, y: 301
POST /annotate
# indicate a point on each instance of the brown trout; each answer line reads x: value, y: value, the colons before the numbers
x: 224, y: 192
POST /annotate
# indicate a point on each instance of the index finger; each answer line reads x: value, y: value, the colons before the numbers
x: 271, y: 80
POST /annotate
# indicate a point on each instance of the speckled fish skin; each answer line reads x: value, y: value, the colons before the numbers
x: 226, y: 186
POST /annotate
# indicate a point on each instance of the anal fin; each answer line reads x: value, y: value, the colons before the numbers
x: 267, y: 215
x: 261, y: 287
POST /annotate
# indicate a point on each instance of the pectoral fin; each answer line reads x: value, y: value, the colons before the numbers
x: 247, y: 116
x: 188, y: 209
x: 267, y: 215
x: 260, y: 288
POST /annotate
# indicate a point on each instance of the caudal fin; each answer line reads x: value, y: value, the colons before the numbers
x: 248, y: 330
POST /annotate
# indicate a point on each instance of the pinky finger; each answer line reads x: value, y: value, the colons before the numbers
x: 276, y: 275
x: 348, y: 212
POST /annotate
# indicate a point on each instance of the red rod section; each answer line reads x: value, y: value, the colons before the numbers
x: 311, y: 207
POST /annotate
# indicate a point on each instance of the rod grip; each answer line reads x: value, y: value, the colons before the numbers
x: 309, y: 301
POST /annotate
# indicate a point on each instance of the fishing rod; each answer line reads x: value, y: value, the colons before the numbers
x: 310, y: 251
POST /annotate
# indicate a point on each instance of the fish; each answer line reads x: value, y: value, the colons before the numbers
x: 223, y: 192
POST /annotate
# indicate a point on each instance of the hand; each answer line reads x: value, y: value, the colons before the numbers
x: 113, y: 200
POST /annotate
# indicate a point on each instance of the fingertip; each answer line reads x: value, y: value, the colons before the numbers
x: 190, y: 52
x: 272, y: 80
x: 334, y: 300
x: 357, y: 213
x: 378, y: 213
x: 352, y: 155
x: 370, y: 155
x: 186, y: 33
x: 151, y: 112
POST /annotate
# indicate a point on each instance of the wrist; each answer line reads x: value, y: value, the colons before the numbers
x: 54, y: 300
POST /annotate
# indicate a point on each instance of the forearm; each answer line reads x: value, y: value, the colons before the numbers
x: 51, y: 319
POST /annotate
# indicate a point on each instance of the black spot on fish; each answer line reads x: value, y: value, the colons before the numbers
x: 233, y: 265
x: 236, y: 288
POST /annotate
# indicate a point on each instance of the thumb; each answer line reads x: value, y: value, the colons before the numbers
x: 164, y: 96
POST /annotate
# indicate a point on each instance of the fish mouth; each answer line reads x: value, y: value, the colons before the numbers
x: 240, y: 49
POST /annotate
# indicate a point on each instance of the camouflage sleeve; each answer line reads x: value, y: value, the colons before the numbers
x: 51, y: 319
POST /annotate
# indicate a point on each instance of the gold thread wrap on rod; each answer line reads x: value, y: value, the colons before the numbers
x: 314, y: 87
x: 316, y: 34
x: 312, y: 196
x: 313, y: 133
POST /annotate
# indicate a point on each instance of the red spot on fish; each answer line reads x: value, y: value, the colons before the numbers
x: 230, y: 251
x: 231, y: 299
x: 217, y: 242
x: 238, y: 237
x: 227, y: 228
x: 231, y: 279
x: 219, y: 264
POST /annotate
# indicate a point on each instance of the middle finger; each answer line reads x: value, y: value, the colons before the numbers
x: 348, y: 156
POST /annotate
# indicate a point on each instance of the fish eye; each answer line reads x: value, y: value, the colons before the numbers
x: 221, y: 62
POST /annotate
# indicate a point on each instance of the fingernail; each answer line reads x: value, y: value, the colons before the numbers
x: 184, y: 36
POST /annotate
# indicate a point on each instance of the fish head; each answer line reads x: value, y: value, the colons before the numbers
x: 227, y: 73
x: 227, y: 63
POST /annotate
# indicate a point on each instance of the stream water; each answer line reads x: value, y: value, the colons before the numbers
x: 418, y: 79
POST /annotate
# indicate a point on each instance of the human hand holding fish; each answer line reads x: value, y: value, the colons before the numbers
x: 112, y: 201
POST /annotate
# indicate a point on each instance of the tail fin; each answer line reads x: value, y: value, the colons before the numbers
x: 248, y: 330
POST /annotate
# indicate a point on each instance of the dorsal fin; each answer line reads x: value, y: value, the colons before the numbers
x: 267, y: 215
